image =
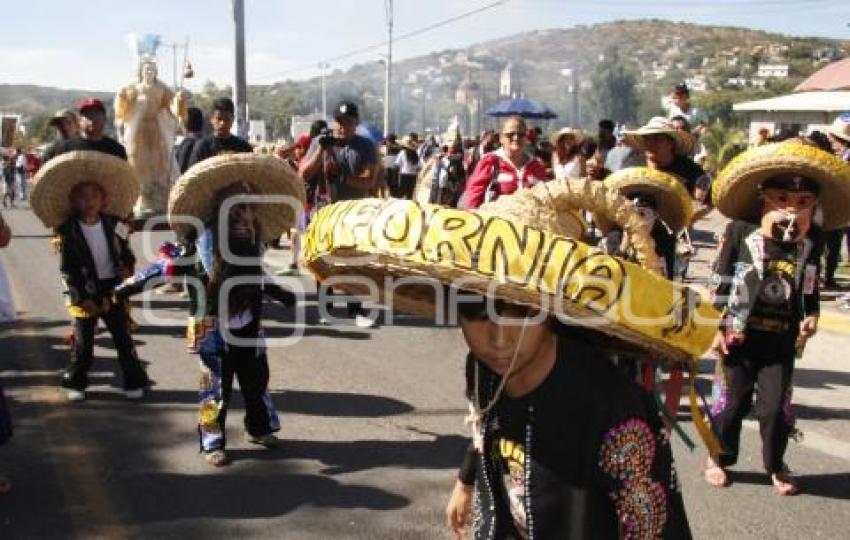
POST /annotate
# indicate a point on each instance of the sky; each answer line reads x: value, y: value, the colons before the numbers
x: 81, y: 44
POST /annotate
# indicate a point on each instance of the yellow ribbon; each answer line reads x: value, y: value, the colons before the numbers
x: 703, y: 429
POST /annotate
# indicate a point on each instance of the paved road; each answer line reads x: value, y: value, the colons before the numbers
x: 372, y: 422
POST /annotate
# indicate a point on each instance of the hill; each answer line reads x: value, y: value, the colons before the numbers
x: 721, y: 65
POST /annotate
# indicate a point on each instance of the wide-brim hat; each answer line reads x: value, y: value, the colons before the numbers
x: 840, y: 128
x: 508, y: 250
x: 736, y: 191
x: 194, y: 194
x: 576, y: 134
x: 673, y: 203
x: 684, y: 141
x: 59, y: 176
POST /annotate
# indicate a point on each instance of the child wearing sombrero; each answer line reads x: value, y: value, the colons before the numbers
x: 84, y: 196
x: 243, y: 201
x: 766, y: 284
x: 564, y: 445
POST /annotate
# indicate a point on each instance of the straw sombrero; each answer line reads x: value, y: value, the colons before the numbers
x: 660, y: 125
x: 55, y: 181
x: 736, y: 191
x: 194, y: 193
x: 840, y: 128
x: 576, y: 134
x: 674, y: 203
x: 508, y: 250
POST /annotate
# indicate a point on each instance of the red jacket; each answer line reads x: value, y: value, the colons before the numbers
x: 509, y: 180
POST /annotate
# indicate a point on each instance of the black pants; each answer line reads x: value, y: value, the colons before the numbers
x: 353, y: 308
x: 249, y: 365
x: 833, y: 251
x: 745, y: 370
x: 117, y: 322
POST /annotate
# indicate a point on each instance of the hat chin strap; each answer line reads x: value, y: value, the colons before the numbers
x: 476, y: 413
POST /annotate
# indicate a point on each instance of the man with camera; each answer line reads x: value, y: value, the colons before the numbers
x: 345, y: 162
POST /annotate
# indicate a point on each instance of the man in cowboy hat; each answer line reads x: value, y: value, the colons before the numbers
x: 839, y: 137
x: 92, y: 137
x: 765, y: 282
x: 67, y: 125
x: 667, y: 149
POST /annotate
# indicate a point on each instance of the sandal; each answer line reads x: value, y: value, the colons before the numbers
x: 5, y: 485
x: 216, y: 458
x: 715, y: 475
x: 784, y: 484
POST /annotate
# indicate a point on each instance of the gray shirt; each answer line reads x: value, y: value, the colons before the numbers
x: 341, y: 163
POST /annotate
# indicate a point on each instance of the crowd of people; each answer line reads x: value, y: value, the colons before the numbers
x: 567, y: 439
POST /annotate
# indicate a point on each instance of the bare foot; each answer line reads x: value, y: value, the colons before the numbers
x: 715, y: 474
x: 784, y: 484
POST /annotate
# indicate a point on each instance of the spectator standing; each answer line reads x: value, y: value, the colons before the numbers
x: 408, y: 164
x: 504, y: 171
x: 194, y: 132
x: 839, y: 137
x: 345, y: 162
x: 567, y: 158
x: 67, y: 125
x: 21, y: 173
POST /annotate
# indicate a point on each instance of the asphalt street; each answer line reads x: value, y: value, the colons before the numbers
x: 372, y: 431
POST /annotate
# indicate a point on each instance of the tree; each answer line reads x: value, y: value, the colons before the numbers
x: 614, y: 88
x: 722, y: 143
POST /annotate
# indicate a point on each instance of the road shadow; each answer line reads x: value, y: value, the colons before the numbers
x: 341, y: 457
x: 824, y: 379
x: 326, y: 404
x: 813, y: 412
x: 829, y: 486
x: 170, y: 497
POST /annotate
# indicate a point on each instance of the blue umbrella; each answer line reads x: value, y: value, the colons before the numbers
x: 522, y: 107
x: 371, y: 132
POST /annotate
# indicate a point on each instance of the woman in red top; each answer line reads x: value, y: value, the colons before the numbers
x: 516, y: 168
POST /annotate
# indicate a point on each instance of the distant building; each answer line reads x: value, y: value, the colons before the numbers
x: 779, y: 71
x: 468, y: 96
x: 737, y: 82
x: 257, y: 132
x: 506, y: 81
x: 802, y: 112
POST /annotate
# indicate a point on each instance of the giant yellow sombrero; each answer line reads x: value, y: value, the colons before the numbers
x: 509, y: 250
x: 673, y: 201
x: 194, y: 193
x: 55, y: 181
x: 736, y: 190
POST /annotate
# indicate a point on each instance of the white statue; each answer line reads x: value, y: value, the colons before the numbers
x: 147, y: 117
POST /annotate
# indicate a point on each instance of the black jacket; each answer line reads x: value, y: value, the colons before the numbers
x: 76, y: 264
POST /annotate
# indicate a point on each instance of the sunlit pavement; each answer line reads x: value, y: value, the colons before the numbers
x: 372, y: 430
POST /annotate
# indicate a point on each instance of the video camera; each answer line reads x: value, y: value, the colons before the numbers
x: 327, y: 139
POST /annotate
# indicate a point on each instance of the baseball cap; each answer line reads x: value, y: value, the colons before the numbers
x: 61, y: 114
x: 90, y: 103
x: 346, y: 109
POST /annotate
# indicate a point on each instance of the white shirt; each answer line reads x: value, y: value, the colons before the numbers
x: 405, y: 166
x: 21, y: 162
x: 570, y: 169
x: 96, y: 239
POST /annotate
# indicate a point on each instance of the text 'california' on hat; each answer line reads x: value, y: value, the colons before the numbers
x: 513, y: 250
x: 194, y: 194
x: 56, y: 180
x: 736, y: 191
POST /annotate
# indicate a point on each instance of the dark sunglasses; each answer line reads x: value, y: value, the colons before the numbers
x: 513, y: 134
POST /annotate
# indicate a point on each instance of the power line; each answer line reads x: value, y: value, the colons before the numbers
x: 382, y: 44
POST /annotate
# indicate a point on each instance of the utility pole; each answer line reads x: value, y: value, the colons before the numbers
x: 322, y: 67
x: 388, y: 4
x: 240, y: 88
